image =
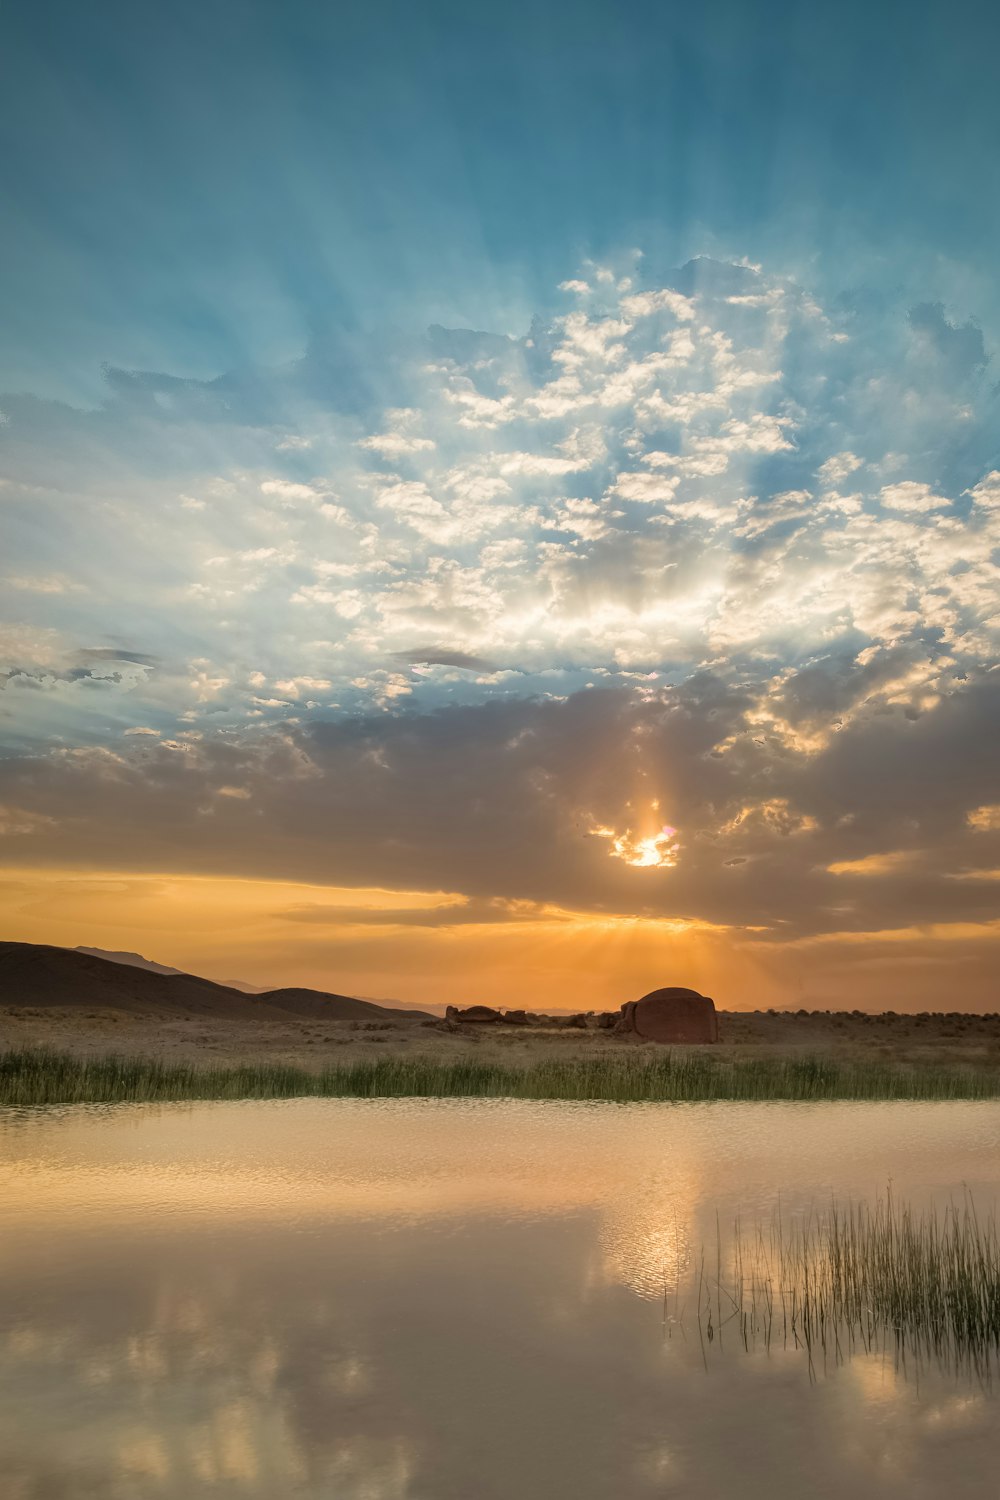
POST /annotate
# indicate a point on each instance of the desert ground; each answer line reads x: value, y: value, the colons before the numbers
x: 950, y: 1039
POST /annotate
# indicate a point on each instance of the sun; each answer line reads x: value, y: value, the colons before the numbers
x: 652, y: 851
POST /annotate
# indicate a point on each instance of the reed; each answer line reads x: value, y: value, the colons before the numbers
x: 39, y: 1076
x: 881, y: 1279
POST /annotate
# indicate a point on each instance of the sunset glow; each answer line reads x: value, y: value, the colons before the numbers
x: 600, y: 519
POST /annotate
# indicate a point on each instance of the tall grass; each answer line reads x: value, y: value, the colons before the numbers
x: 875, y: 1279
x: 40, y: 1076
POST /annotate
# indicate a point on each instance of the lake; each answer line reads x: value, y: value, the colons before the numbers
x: 455, y: 1300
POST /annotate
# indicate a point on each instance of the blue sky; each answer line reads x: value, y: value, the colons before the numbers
x: 597, y: 402
x: 195, y: 186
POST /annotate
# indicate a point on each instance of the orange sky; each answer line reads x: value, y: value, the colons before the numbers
x: 421, y: 947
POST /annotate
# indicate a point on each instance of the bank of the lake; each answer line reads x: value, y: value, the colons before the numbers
x: 39, y: 1076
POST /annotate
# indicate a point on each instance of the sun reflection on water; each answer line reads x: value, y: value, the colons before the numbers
x: 376, y: 1302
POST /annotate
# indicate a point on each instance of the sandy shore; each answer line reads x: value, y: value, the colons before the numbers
x: 952, y: 1040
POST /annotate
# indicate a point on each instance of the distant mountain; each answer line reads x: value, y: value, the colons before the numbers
x: 34, y: 974
x: 135, y: 960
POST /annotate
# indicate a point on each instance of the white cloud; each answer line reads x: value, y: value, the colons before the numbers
x: 290, y: 491
x: 910, y: 495
x: 51, y: 583
x: 396, y: 444
x: 986, y: 493
x: 644, y: 304
x: 646, y: 489
x: 294, y: 687
x: 629, y: 489
x: 477, y: 409
x: 838, y: 467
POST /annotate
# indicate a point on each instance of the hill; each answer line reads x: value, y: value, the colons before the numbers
x: 36, y: 975
x: 134, y: 960
x: 316, y: 1005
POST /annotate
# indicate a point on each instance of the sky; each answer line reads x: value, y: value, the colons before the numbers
x: 505, y: 505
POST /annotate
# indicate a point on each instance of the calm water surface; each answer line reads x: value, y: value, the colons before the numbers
x: 380, y: 1300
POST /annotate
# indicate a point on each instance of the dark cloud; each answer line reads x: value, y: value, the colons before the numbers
x: 23, y: 677
x: 714, y: 278
x: 960, y: 346
x: 464, y: 914
x: 508, y: 800
x: 433, y: 656
x: 112, y: 653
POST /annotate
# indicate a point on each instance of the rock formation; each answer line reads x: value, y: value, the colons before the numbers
x: 670, y: 1015
x: 472, y: 1013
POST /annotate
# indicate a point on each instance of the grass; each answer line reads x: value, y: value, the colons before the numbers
x: 35, y: 1076
x: 855, y: 1278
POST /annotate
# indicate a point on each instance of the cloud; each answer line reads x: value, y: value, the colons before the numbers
x: 909, y: 495
x: 440, y: 657
x: 837, y: 468
x: 51, y: 583
x: 702, y: 813
x: 960, y: 347
x: 396, y: 444
x: 15, y: 822
x: 726, y: 564
x: 289, y: 491
x: 113, y: 653
x: 872, y: 864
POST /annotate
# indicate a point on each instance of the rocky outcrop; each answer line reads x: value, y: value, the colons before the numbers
x: 671, y: 1015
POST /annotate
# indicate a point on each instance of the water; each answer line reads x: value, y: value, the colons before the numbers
x: 420, y: 1300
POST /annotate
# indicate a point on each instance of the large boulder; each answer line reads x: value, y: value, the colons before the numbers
x: 515, y: 1018
x: 473, y: 1013
x: 671, y: 1015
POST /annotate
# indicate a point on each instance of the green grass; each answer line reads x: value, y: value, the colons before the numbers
x: 40, y: 1076
x: 878, y: 1279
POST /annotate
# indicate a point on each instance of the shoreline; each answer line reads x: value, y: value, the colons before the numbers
x: 759, y: 1055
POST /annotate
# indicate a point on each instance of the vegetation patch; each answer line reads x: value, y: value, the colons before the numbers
x: 34, y: 1076
x: 858, y: 1278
